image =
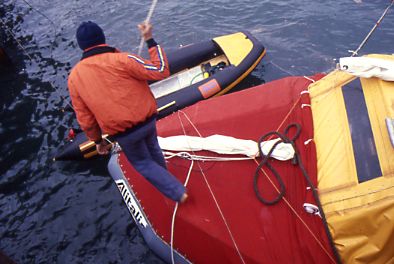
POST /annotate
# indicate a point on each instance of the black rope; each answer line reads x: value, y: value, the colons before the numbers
x: 296, y: 160
x: 265, y: 162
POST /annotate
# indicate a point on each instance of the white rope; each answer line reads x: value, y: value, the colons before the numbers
x: 148, y: 17
x: 192, y: 158
x: 304, y: 92
x: 222, y: 215
x: 309, y: 79
x: 187, y: 155
x: 174, y: 214
x: 355, y: 52
x: 210, y: 189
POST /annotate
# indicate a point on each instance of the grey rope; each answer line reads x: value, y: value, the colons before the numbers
x: 148, y: 17
x: 355, y: 52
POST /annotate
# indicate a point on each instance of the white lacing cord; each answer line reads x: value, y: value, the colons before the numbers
x: 304, y: 92
x: 187, y: 155
x: 310, y: 79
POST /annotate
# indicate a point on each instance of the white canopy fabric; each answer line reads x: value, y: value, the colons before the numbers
x: 226, y: 145
x: 366, y: 67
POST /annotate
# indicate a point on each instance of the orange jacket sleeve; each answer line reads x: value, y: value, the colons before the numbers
x: 85, y: 117
x: 154, y: 69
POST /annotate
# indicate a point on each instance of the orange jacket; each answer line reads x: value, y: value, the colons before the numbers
x: 110, y: 93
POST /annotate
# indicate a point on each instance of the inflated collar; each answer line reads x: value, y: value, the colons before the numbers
x: 98, y: 50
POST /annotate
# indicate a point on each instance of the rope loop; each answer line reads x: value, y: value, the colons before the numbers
x: 265, y: 161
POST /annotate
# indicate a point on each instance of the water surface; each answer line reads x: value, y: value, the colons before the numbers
x: 72, y: 212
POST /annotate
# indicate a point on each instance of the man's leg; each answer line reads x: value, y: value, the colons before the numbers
x: 139, y: 156
x: 154, y: 147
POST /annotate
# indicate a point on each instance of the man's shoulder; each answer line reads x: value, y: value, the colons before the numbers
x: 123, y: 55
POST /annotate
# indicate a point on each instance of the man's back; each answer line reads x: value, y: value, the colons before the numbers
x: 113, y: 87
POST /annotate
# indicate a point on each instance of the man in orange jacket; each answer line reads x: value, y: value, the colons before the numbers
x: 110, y: 95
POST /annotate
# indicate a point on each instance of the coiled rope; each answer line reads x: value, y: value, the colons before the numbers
x: 265, y: 162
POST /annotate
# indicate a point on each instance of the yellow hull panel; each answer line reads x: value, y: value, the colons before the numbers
x: 360, y: 214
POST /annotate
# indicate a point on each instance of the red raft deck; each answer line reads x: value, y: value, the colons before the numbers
x: 223, y: 221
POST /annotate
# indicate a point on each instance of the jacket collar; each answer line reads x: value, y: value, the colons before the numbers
x: 99, y: 49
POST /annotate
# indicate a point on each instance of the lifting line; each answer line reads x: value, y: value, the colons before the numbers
x: 210, y: 190
x: 148, y: 17
x: 355, y: 52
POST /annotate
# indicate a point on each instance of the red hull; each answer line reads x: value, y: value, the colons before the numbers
x: 281, y: 233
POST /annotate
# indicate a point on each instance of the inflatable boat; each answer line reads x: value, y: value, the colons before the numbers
x: 198, y: 71
x: 330, y: 201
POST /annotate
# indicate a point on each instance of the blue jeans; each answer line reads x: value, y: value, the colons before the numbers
x: 143, y: 151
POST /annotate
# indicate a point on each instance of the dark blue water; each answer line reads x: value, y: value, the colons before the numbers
x: 72, y: 212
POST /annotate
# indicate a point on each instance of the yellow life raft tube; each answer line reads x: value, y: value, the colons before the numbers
x: 355, y: 156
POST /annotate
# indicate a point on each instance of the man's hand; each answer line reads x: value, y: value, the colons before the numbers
x: 103, y: 147
x: 145, y: 30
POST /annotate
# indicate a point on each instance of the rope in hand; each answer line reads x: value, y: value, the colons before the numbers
x: 148, y: 17
x: 174, y: 214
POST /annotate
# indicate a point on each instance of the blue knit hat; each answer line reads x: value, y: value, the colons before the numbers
x: 89, y: 34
